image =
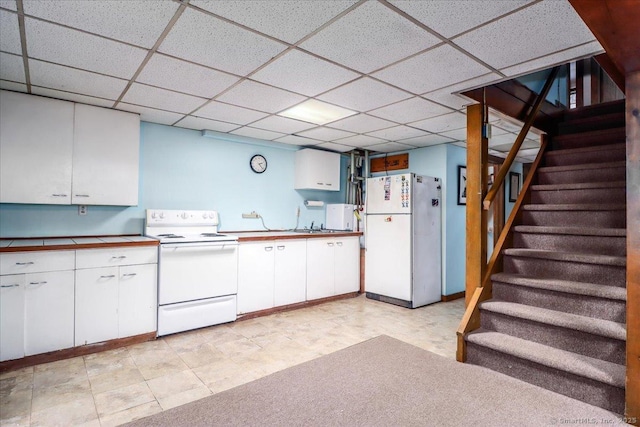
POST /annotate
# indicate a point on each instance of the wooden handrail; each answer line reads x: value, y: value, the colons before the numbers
x: 502, y: 173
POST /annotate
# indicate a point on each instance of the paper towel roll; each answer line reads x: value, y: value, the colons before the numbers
x: 313, y: 203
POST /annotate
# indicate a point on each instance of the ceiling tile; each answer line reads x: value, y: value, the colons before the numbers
x: 335, y: 147
x: 504, y: 139
x: 286, y: 20
x: 526, y: 145
x: 151, y: 114
x: 9, y: 4
x: 439, y: 67
x: 364, y: 94
x: 260, y: 97
x: 442, y: 123
x: 258, y: 133
x: 9, y: 33
x: 460, y: 144
x: 427, y: 140
x: 457, y: 134
x: 74, y: 97
x: 397, y: 133
x: 325, y: 134
x: 16, y: 87
x: 362, y: 123
x: 410, y: 110
x: 447, y: 97
x: 71, y: 80
x: 229, y: 113
x: 182, y: 76
x: 282, y: 124
x: 12, y: 68
x: 369, y: 37
x: 452, y: 17
x: 389, y: 147
x: 137, y: 22
x: 298, y: 140
x: 360, y: 141
x: 302, y: 73
x: 64, y: 46
x: 529, y: 152
x: 529, y: 36
x: 199, y: 123
x: 206, y: 40
x: 585, y: 50
x: 148, y: 96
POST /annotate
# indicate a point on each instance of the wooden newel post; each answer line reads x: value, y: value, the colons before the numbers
x: 476, y: 228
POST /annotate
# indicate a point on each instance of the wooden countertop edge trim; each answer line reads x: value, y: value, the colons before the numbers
x: 78, y: 246
x: 298, y: 236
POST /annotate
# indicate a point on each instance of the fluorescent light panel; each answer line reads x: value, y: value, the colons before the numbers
x: 318, y: 112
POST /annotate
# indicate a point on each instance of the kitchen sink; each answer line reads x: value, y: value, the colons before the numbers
x: 316, y: 231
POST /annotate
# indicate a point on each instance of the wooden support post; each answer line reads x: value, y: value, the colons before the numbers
x: 477, y: 171
x: 632, y: 88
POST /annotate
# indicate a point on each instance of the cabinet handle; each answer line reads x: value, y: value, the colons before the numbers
x: 320, y: 183
x: 281, y: 248
x: 38, y: 283
x: 339, y: 243
x: 268, y: 248
x: 129, y: 274
x: 329, y: 184
x: 330, y: 244
x: 25, y: 263
x: 82, y: 195
x: 110, y: 276
x: 15, y: 285
x: 118, y: 257
x: 59, y: 195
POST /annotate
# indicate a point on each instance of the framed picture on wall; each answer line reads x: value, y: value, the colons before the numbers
x: 462, y: 185
x: 514, y: 186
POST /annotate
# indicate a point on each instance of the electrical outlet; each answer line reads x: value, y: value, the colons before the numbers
x: 82, y: 210
x: 253, y: 214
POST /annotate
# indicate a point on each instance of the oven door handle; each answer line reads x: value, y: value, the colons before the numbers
x: 212, y: 245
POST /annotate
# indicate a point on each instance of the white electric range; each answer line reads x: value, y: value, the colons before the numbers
x: 197, y: 270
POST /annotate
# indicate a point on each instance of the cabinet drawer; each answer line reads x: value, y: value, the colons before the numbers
x: 91, y: 258
x: 36, y: 262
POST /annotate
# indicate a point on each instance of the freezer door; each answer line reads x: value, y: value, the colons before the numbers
x: 389, y: 194
x: 388, y: 256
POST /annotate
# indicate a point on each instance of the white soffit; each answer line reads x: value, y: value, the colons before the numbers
x: 410, y: 110
x: 361, y: 123
x: 9, y: 33
x: 282, y: 124
x: 181, y: 76
x: 74, y: 48
x: 162, y: 99
x: 369, y: 37
x: 12, y: 68
x: 151, y: 114
x: 138, y: 22
x: 442, y: 123
x: 303, y: 73
x: 364, y: 94
x: 16, y: 87
x: 198, y: 123
x: 434, y: 69
x: 541, y: 29
x: 260, y: 97
x: 74, y: 97
x: 206, y: 40
x: 229, y: 113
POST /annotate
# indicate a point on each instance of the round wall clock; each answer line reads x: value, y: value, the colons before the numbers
x: 258, y: 163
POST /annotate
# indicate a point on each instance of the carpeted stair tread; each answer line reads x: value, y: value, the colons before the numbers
x: 578, y: 186
x: 568, y: 168
x: 566, y: 286
x: 619, y: 261
x: 615, y: 132
x: 573, y: 231
x: 584, y: 366
x: 571, y: 151
x: 576, y: 207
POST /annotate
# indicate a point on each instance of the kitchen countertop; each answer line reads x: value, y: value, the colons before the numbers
x: 72, y: 243
x: 252, y: 236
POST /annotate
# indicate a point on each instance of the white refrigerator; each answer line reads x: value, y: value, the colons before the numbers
x: 403, y: 240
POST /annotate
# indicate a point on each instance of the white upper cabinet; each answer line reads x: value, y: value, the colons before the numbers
x: 106, y: 146
x: 36, y: 142
x: 317, y: 170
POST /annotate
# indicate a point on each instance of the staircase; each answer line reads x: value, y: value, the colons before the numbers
x: 557, y: 315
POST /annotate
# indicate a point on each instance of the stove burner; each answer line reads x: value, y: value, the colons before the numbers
x: 170, y: 236
x: 211, y: 234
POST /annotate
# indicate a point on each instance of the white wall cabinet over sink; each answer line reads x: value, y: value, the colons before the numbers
x: 317, y: 170
x: 333, y: 266
x: 271, y: 274
x: 59, y: 152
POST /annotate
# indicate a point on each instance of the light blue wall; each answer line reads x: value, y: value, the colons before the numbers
x: 180, y: 169
x: 558, y: 91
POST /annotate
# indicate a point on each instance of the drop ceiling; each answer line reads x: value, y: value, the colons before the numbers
x: 232, y: 66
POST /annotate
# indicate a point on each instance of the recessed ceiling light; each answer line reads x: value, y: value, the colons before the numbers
x: 318, y: 112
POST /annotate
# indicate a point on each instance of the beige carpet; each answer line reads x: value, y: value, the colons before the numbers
x: 382, y: 382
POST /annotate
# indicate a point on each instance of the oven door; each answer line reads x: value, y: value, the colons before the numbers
x: 193, y: 271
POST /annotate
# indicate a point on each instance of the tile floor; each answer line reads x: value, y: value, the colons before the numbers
x: 114, y: 387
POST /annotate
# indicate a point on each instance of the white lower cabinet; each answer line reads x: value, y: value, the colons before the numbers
x: 271, y: 274
x: 11, y: 317
x: 96, y: 305
x: 333, y: 266
x: 137, y: 300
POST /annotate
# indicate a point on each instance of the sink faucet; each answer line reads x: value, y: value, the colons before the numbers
x: 312, y: 224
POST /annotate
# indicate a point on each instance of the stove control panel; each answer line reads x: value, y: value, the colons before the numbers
x: 181, y: 218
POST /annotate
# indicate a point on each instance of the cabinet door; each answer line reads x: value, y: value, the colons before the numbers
x: 320, y: 268
x: 48, y: 312
x: 290, y: 272
x: 106, y: 146
x: 317, y: 170
x: 96, y: 305
x: 12, y: 317
x: 137, y: 300
x: 36, y: 140
x: 255, y: 276
x: 347, y: 263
